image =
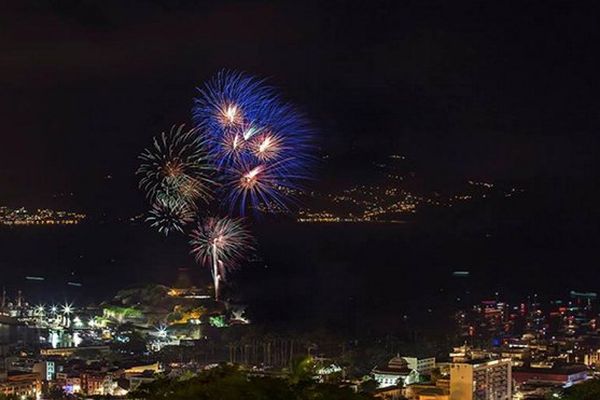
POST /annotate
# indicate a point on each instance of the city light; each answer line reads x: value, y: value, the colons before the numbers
x: 67, y: 308
x: 21, y: 216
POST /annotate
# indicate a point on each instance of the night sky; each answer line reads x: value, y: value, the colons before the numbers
x: 486, y: 90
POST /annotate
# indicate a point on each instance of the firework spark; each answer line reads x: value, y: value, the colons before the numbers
x: 229, y: 115
x: 258, y: 184
x: 176, y: 165
x: 168, y: 214
x: 268, y: 147
x: 221, y: 244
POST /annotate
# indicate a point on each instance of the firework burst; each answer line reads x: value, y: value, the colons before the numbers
x: 268, y: 147
x: 169, y: 214
x: 220, y: 243
x: 256, y: 142
x: 246, y: 185
x: 176, y: 165
x: 258, y: 148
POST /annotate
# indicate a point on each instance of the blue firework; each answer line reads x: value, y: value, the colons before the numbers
x: 260, y: 145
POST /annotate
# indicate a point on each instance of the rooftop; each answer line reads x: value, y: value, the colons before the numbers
x: 569, y: 369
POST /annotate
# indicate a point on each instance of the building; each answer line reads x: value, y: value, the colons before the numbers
x: 433, y: 394
x: 516, y: 354
x: 69, y: 351
x: 426, y: 391
x: 45, y: 369
x: 72, y: 384
x: 466, y: 353
x: 481, y: 380
x: 93, y: 383
x: 21, y: 385
x: 396, y: 373
x: 592, y: 359
x: 423, y: 365
x: 389, y: 393
x: 566, y: 375
x: 139, y: 369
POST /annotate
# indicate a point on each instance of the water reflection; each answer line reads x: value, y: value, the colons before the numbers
x: 61, y: 338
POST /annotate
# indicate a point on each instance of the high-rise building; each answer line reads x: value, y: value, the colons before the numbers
x: 481, y: 380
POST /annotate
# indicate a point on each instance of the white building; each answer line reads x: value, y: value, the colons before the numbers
x: 396, y: 373
x: 423, y: 365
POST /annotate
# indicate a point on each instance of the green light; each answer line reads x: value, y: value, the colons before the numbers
x: 217, y: 321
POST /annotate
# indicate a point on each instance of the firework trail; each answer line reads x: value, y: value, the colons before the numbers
x: 221, y: 244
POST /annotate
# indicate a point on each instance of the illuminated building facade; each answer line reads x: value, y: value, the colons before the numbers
x: 565, y: 375
x: 481, y: 380
x: 396, y: 373
x: 423, y: 365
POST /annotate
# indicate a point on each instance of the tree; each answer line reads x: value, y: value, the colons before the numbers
x: 302, y: 370
x: 368, y: 385
x: 589, y: 390
x: 55, y: 393
x: 228, y: 382
x: 128, y: 340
